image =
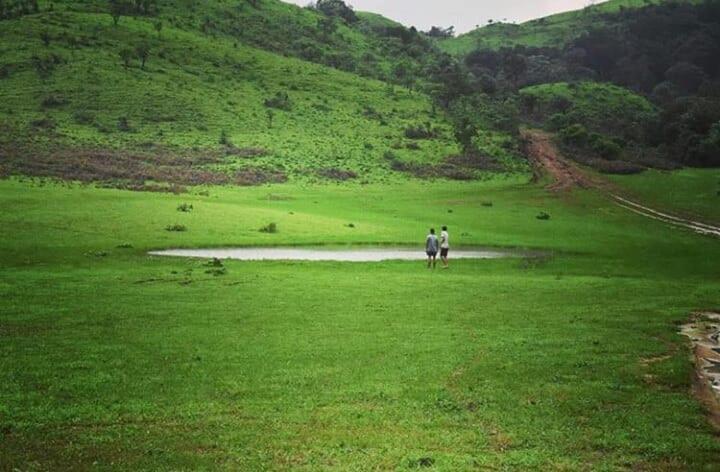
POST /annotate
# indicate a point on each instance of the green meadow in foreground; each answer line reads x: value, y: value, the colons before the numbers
x: 111, y: 358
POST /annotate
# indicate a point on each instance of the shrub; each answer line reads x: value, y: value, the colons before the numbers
x: 604, y: 147
x: 575, y: 134
x: 420, y: 132
x: 83, y: 117
x: 176, y: 228
x: 224, y: 139
x: 123, y: 124
x: 43, y: 123
x: 270, y: 228
x: 53, y: 101
x: 543, y: 216
x: 185, y: 208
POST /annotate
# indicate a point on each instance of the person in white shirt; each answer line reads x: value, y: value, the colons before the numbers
x: 444, y: 247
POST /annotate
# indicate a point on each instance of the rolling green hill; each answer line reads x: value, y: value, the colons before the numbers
x: 66, y: 85
x: 554, y: 31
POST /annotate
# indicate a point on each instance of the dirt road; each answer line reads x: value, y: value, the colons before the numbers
x: 566, y: 175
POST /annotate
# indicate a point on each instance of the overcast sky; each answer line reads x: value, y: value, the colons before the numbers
x: 464, y: 15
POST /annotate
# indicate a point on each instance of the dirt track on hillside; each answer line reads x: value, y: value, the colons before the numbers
x: 546, y: 159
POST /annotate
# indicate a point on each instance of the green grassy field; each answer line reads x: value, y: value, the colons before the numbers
x: 692, y: 192
x: 114, y: 359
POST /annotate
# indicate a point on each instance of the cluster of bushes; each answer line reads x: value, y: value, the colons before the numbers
x: 578, y: 136
x: 597, y: 151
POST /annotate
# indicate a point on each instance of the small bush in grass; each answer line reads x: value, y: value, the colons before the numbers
x: 83, y: 117
x: 185, y: 208
x: 487, y: 204
x: 43, y: 123
x: 123, y: 124
x: 270, y: 228
x: 543, y: 216
x: 390, y: 156
x: 224, y: 139
x: 53, y: 101
x: 124, y: 246
x: 176, y: 228
x: 420, y: 132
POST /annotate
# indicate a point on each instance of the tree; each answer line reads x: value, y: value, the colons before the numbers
x: 336, y: 8
x: 45, y: 37
x: 142, y: 51
x: 440, y: 32
x: 118, y: 8
x: 464, y: 131
x: 126, y: 56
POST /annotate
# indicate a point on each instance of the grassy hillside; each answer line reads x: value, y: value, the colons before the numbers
x: 75, y: 92
x: 550, y: 31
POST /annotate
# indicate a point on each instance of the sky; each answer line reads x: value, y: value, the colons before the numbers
x: 464, y: 15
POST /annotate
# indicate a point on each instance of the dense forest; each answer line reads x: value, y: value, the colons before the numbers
x: 667, y: 53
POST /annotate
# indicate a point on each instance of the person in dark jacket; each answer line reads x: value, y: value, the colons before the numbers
x: 431, y: 248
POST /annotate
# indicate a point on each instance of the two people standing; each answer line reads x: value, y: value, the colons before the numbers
x: 432, y: 244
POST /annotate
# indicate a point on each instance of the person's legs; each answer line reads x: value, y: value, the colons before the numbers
x: 444, y: 258
x: 434, y: 261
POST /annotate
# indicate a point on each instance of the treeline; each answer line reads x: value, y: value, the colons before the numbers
x: 668, y: 52
x: 17, y: 8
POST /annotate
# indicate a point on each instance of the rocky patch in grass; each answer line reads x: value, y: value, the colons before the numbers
x: 455, y: 167
x: 333, y: 173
